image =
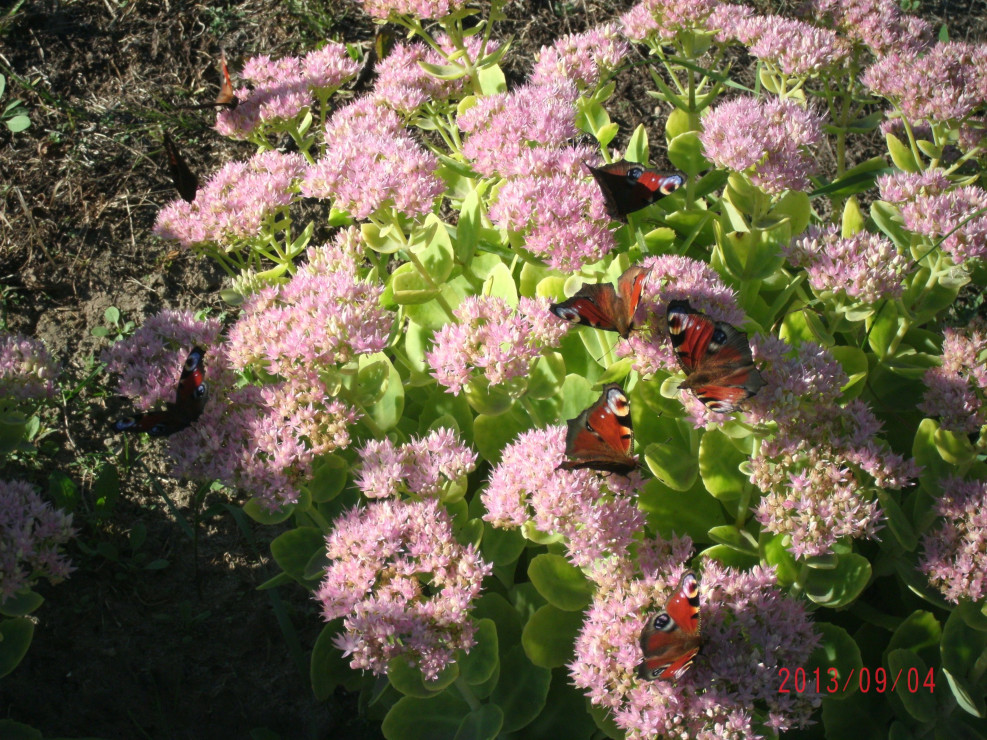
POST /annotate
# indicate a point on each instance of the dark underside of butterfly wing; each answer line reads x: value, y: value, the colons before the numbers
x: 186, y: 182
x: 601, y: 437
x: 716, y: 357
x: 671, y: 639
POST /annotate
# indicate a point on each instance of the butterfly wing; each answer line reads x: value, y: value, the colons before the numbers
x: 670, y: 640
x: 186, y: 183
x: 190, y: 400
x: 601, y: 437
x: 715, y: 356
x: 226, y: 98
x: 629, y: 186
x: 600, y: 306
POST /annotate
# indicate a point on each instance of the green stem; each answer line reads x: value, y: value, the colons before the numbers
x: 532, y: 411
x: 439, y: 298
x: 467, y: 694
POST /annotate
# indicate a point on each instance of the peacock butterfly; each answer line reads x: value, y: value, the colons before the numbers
x: 600, y: 306
x: 190, y: 400
x: 629, y: 186
x: 716, y: 358
x: 670, y: 639
x: 186, y: 182
x: 601, y: 438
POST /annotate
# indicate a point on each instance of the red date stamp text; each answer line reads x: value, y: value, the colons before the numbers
x: 864, y: 679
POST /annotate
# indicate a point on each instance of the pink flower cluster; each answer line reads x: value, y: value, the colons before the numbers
x: 954, y: 551
x: 750, y: 629
x: 864, y: 267
x: 236, y: 201
x: 768, y: 141
x: 819, y: 470
x: 581, y: 58
x: 149, y: 362
x: 945, y: 83
x: 425, y: 466
x: 371, y: 163
x: 32, y: 532
x: 932, y: 207
x: 324, y: 316
x: 404, y: 85
x: 27, y: 370
x: 878, y: 24
x: 955, y: 391
x: 526, y: 489
x: 384, y: 9
x: 796, y: 48
x: 665, y: 19
x: 494, y: 339
x: 402, y: 584
x: 282, y: 89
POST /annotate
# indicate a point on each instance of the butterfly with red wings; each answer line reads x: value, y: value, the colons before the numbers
x: 629, y: 186
x: 190, y: 400
x: 600, y: 438
x: 716, y: 358
x: 670, y: 640
x: 600, y: 306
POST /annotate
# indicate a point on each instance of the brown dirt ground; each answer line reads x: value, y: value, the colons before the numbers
x: 191, y: 650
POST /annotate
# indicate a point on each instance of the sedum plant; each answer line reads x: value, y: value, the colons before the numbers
x: 399, y: 394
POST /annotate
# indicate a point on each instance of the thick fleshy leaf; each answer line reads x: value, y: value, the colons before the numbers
x: 522, y: 697
x: 839, y: 586
x: 492, y: 433
x: 839, y: 651
x: 480, y: 662
x: 328, y: 668
x: 435, y: 718
x: 15, y: 639
x: 907, y: 671
x: 685, y: 152
x: 293, y: 549
x: 483, y: 723
x: 776, y: 552
x: 671, y: 512
x: 964, y: 653
x: 719, y: 461
x: 21, y: 604
x: 562, y: 584
x: 549, y: 635
x: 565, y: 714
x: 501, y: 546
x: 495, y: 607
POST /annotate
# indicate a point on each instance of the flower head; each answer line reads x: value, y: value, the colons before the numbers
x: 27, y: 370
x: 235, y: 202
x: 954, y: 551
x: 402, y: 585
x: 581, y: 57
x: 955, y: 390
x: 371, y: 163
x: 794, y: 47
x: 878, y: 24
x: 384, y: 9
x: 491, y: 338
x: 664, y: 19
x: 324, y: 316
x: 865, y: 266
x: 425, y: 466
x: 750, y: 630
x: 31, y: 533
x: 768, y: 141
x: 526, y: 488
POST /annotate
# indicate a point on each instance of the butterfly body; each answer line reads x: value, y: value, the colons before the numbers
x: 601, y: 437
x: 190, y: 400
x: 226, y: 98
x: 601, y: 306
x: 629, y: 186
x: 715, y: 356
x: 671, y: 639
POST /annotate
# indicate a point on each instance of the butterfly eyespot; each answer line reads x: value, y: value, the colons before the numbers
x: 201, y: 390
x: 568, y: 314
x: 634, y: 173
x: 661, y: 621
x: 719, y: 337
x: 617, y: 402
x: 671, y: 184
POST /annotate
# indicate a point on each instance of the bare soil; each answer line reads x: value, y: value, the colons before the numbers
x: 190, y: 650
